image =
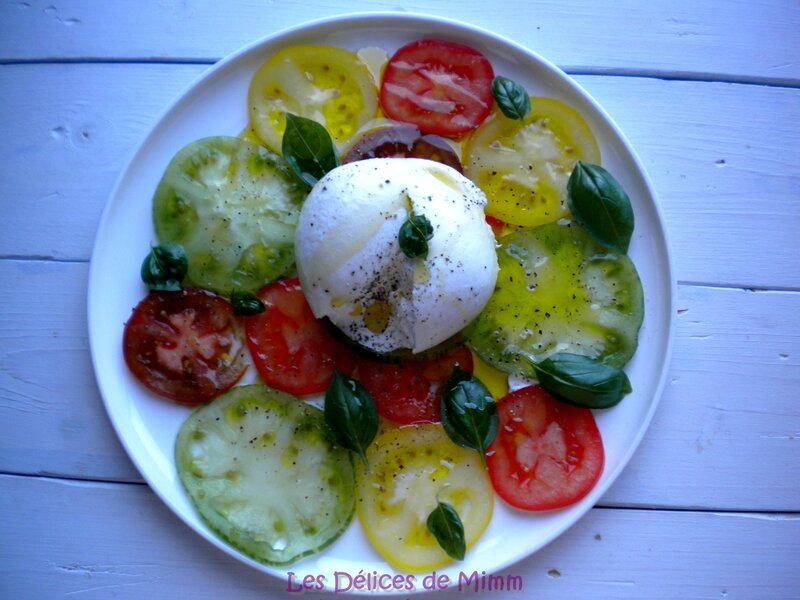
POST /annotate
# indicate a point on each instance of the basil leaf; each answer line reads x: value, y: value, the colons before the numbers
x: 600, y: 205
x: 582, y: 380
x: 469, y: 414
x: 511, y: 97
x: 164, y: 268
x: 351, y: 414
x: 308, y: 148
x: 445, y: 525
x: 414, y: 236
x: 246, y: 303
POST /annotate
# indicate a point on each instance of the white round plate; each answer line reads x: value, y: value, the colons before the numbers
x: 216, y: 105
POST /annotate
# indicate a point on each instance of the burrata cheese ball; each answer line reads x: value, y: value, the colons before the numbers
x: 354, y: 272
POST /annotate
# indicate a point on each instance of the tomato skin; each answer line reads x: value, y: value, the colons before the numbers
x: 409, y: 391
x: 403, y: 141
x: 547, y: 454
x: 293, y: 351
x: 496, y: 224
x: 185, y: 346
x: 440, y: 86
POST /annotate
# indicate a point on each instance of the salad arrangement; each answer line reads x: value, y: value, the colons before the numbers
x: 417, y: 446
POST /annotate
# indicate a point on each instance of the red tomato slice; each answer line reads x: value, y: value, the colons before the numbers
x: 292, y: 350
x: 410, y: 391
x: 403, y: 141
x: 442, y: 87
x: 547, y: 454
x: 496, y: 224
x: 186, y: 346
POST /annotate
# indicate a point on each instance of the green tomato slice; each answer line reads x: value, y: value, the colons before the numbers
x: 559, y: 291
x: 263, y: 472
x: 233, y: 206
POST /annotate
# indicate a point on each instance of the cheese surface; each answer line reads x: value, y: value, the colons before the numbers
x: 353, y: 271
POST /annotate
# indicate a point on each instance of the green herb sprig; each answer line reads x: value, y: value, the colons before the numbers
x: 351, y: 414
x: 582, y: 380
x: 246, y: 303
x: 599, y: 203
x: 446, y: 526
x: 164, y: 267
x: 512, y: 99
x: 468, y: 412
x: 414, y: 235
x: 308, y: 148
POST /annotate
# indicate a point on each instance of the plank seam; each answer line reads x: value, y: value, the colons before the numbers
x: 571, y: 70
x: 774, y: 513
x: 680, y: 282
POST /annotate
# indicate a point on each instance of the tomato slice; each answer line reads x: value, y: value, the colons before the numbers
x: 547, y: 454
x: 498, y: 226
x: 410, y: 391
x: 186, y: 346
x: 233, y: 206
x: 558, y: 291
x: 328, y: 84
x: 293, y: 351
x: 523, y: 165
x: 440, y: 86
x: 410, y: 469
x: 263, y: 472
x: 403, y: 141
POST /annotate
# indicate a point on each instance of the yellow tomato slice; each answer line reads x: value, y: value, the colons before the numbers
x: 330, y: 85
x: 410, y: 468
x: 496, y: 381
x: 523, y: 165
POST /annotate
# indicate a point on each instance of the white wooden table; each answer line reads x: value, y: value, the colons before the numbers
x: 707, y: 91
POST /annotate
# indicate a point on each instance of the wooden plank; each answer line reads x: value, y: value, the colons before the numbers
x: 53, y: 419
x: 727, y: 430
x: 60, y: 538
x: 70, y: 132
x: 722, y: 161
x: 72, y: 128
x: 682, y: 38
x: 726, y: 434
